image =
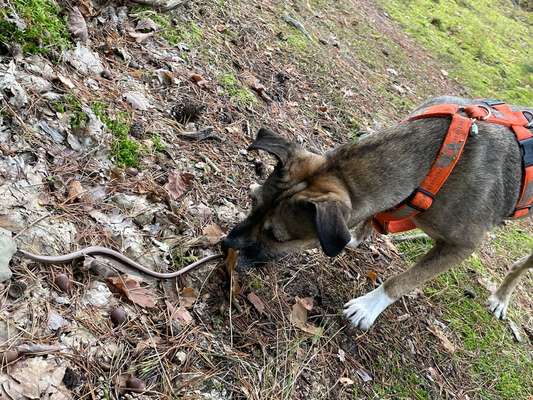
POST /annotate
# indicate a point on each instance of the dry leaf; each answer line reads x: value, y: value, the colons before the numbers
x: 196, y: 78
x: 36, y: 378
x: 256, y: 302
x: 139, y: 36
x: 180, y: 314
x: 373, y: 276
x: 188, y: 297
x: 150, y: 342
x: 178, y: 184
x: 77, y: 26
x: 131, y: 288
x: 231, y: 264
x: 306, y: 302
x: 75, y: 190
x: 346, y: 381
x: 86, y: 7
x: 364, y: 375
x: 214, y: 233
x: 445, y: 342
x: 299, y: 316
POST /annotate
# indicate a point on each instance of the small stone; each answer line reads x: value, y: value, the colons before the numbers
x: 134, y: 64
x: 63, y: 282
x: 137, y: 129
x: 444, y: 72
x: 135, y: 384
x: 9, y: 356
x: 132, y: 171
x: 118, y: 316
x: 16, y: 289
x: 8, y: 247
x: 106, y: 74
x: 470, y: 293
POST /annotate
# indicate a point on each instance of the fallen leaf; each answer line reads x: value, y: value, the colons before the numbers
x: 256, y: 302
x: 75, y: 190
x: 150, y: 342
x: 346, y: 381
x: 179, y: 314
x: 445, y: 342
x: 231, y: 264
x: 178, y: 183
x: 516, y: 331
x: 306, y: 302
x: 373, y: 276
x: 364, y: 375
x: 86, y: 7
x: 188, y: 297
x: 341, y: 354
x: 130, y: 287
x: 36, y: 378
x: 146, y: 24
x: 196, y: 78
x: 214, y: 233
x: 139, y: 36
x: 76, y: 25
x: 299, y: 316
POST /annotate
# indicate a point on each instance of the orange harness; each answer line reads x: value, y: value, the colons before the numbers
x: 399, y: 218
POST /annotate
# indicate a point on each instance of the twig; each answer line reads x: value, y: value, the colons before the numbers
x: 406, y: 238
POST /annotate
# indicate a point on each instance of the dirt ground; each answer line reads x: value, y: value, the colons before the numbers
x: 136, y: 140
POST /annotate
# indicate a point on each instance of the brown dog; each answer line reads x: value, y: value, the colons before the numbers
x: 329, y: 200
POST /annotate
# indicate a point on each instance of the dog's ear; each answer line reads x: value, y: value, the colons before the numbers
x: 273, y: 143
x: 330, y: 224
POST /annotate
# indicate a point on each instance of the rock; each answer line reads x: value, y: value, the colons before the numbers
x: 52, y: 132
x: 137, y: 101
x: 98, y: 295
x: 8, y: 247
x: 56, y: 321
x: 10, y: 89
x: 84, y: 60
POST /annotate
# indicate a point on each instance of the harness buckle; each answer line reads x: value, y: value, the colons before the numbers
x: 526, y: 146
x: 488, y: 110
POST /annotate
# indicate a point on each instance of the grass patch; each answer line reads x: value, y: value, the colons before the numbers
x: 157, y: 143
x: 297, y: 42
x: 241, y: 95
x: 45, y: 28
x: 501, y: 368
x: 125, y: 150
x: 188, y: 33
x: 490, y: 53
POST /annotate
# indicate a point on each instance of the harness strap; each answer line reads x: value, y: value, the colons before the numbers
x: 399, y: 219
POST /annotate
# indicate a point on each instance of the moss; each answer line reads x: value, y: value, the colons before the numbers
x: 188, y: 32
x: 45, y: 29
x: 297, y: 41
x: 126, y: 151
x: 490, y: 53
x: 241, y: 95
x: 158, y: 143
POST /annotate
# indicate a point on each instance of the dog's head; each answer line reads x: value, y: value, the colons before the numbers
x: 302, y: 204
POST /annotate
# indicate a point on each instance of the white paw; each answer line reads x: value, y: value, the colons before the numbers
x: 363, y: 311
x: 497, y: 306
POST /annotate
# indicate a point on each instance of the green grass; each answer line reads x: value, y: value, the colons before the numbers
x: 45, y: 29
x: 189, y: 32
x: 501, y: 368
x: 486, y: 44
x: 240, y: 94
x: 157, y: 143
x: 125, y: 151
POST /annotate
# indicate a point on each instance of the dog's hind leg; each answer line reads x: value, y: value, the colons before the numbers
x: 364, y: 310
x: 498, y: 302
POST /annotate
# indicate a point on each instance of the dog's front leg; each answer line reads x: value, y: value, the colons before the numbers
x: 363, y: 311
